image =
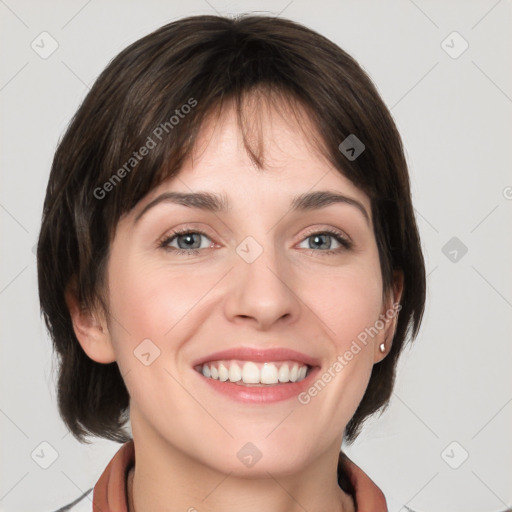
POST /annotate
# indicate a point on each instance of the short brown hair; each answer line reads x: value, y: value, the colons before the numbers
x: 203, y: 61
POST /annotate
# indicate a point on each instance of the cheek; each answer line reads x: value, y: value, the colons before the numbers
x: 149, y: 308
x: 347, y: 301
x: 154, y: 301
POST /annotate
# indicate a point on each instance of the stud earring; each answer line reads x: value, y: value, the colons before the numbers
x: 382, y: 347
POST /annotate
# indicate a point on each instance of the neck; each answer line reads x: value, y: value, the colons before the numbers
x: 171, y: 482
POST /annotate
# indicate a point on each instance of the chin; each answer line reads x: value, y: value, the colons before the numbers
x: 247, y: 458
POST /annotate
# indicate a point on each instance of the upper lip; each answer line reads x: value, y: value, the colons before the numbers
x: 259, y: 355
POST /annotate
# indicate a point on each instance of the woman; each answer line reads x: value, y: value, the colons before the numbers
x: 227, y: 239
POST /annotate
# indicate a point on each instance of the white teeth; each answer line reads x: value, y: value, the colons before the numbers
x: 223, y: 373
x: 284, y: 373
x: 235, y: 373
x: 269, y: 374
x: 293, y: 373
x: 248, y: 372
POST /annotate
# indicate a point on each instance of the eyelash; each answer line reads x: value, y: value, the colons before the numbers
x: 345, y: 243
x: 164, y: 243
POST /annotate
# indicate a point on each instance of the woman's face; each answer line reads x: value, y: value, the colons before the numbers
x: 259, y: 279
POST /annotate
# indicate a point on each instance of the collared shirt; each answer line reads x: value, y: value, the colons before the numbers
x: 110, y: 494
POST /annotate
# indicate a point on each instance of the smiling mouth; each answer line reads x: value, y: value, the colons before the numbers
x: 254, y: 374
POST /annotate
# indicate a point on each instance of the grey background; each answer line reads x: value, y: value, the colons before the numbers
x: 454, y: 115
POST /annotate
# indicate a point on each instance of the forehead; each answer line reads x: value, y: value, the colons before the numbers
x: 268, y: 126
x: 291, y: 161
x: 280, y: 133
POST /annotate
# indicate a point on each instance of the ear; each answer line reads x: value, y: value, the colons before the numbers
x: 389, y: 317
x: 90, y: 328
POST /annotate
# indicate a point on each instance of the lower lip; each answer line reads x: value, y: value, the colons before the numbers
x: 261, y: 394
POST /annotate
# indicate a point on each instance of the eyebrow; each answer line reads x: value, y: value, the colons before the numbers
x: 219, y: 203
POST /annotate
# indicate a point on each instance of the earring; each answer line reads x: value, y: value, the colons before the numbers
x: 382, y: 347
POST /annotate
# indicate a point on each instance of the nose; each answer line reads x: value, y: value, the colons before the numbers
x: 262, y: 292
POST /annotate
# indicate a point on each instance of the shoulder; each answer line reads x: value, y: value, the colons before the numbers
x: 111, y: 486
x: 81, y: 504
